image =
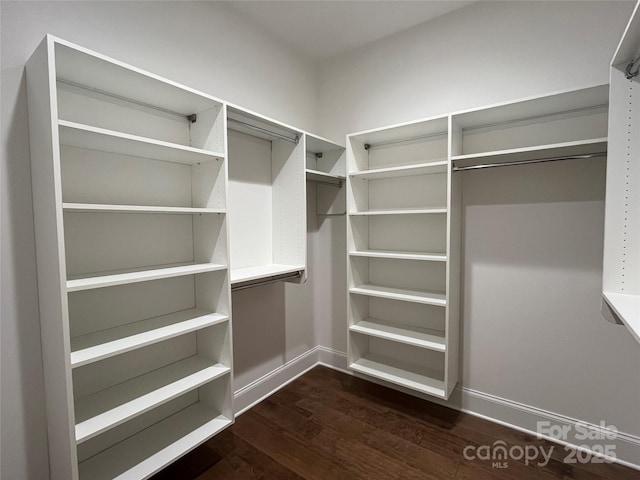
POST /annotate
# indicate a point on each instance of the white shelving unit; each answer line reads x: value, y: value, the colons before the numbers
x: 621, y: 262
x: 325, y: 166
x: 267, y: 198
x: 572, y: 123
x: 130, y: 186
x: 403, y: 247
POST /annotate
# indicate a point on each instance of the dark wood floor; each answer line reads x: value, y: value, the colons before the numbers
x: 328, y: 425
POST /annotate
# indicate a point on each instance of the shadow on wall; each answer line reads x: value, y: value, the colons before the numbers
x: 23, y: 406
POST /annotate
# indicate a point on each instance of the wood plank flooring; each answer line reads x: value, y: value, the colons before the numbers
x: 328, y: 425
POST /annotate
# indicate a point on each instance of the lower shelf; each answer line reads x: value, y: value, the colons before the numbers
x: 399, y: 373
x: 113, y: 406
x: 149, y: 451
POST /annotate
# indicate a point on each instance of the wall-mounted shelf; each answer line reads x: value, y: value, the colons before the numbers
x: 428, y: 168
x: 97, y: 208
x: 249, y: 274
x: 326, y: 178
x: 405, y: 211
x: 428, y: 257
x: 416, y: 336
x: 428, y: 298
x: 325, y: 167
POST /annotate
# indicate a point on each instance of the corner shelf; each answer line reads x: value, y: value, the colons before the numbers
x: 109, y: 408
x: 110, y: 280
x: 627, y: 308
x: 103, y: 344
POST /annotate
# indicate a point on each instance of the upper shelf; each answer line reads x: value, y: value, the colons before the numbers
x: 106, y: 208
x: 92, y: 70
x: 439, y: 166
x: 318, y: 176
x: 94, y: 138
x: 564, y: 149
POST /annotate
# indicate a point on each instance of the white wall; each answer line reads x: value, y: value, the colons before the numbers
x: 532, y: 272
x: 206, y: 45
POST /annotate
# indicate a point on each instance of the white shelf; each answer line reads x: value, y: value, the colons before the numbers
x: 428, y: 168
x: 627, y: 307
x: 94, y: 138
x: 103, y: 344
x: 318, y: 176
x: 109, y: 408
x: 581, y: 147
x: 410, y: 335
x: 431, y: 257
x: 140, y: 276
x: 414, y: 296
x: 398, y: 373
x: 262, y: 271
x: 147, y: 452
x: 103, y: 208
x: 400, y: 211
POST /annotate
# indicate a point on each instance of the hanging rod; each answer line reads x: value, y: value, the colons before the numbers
x: 191, y: 117
x: 267, y: 281
x: 368, y: 146
x: 538, y: 160
x: 295, y: 140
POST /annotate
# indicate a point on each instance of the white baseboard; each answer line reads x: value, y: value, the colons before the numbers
x: 499, y: 410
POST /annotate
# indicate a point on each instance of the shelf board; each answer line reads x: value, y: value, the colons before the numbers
x: 399, y: 373
x: 318, y: 176
x: 581, y: 147
x: 94, y: 138
x: 113, y: 406
x: 147, y: 452
x: 248, y: 274
x: 104, y: 208
x: 428, y: 298
x: 627, y: 308
x: 87, y: 283
x: 407, y: 334
x: 97, y: 346
x: 427, y: 168
x: 400, y: 211
x: 431, y: 257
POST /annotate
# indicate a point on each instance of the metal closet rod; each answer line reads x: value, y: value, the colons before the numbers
x: 260, y: 283
x: 537, y: 160
x: 295, y: 140
x: 191, y: 117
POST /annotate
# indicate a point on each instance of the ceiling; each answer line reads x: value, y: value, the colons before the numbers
x: 324, y: 29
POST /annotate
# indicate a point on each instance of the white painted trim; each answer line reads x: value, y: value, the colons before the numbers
x: 502, y: 411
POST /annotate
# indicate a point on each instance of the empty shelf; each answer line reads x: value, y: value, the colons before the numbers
x: 401, y: 211
x: 433, y: 257
x: 428, y: 168
x: 627, y: 307
x: 410, y: 335
x: 240, y: 275
x: 94, y: 138
x: 114, y: 341
x: 140, y: 276
x: 109, y: 408
x: 99, y: 208
x: 581, y: 147
x: 427, y: 298
x: 318, y: 176
x: 399, y: 373
x: 147, y: 452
